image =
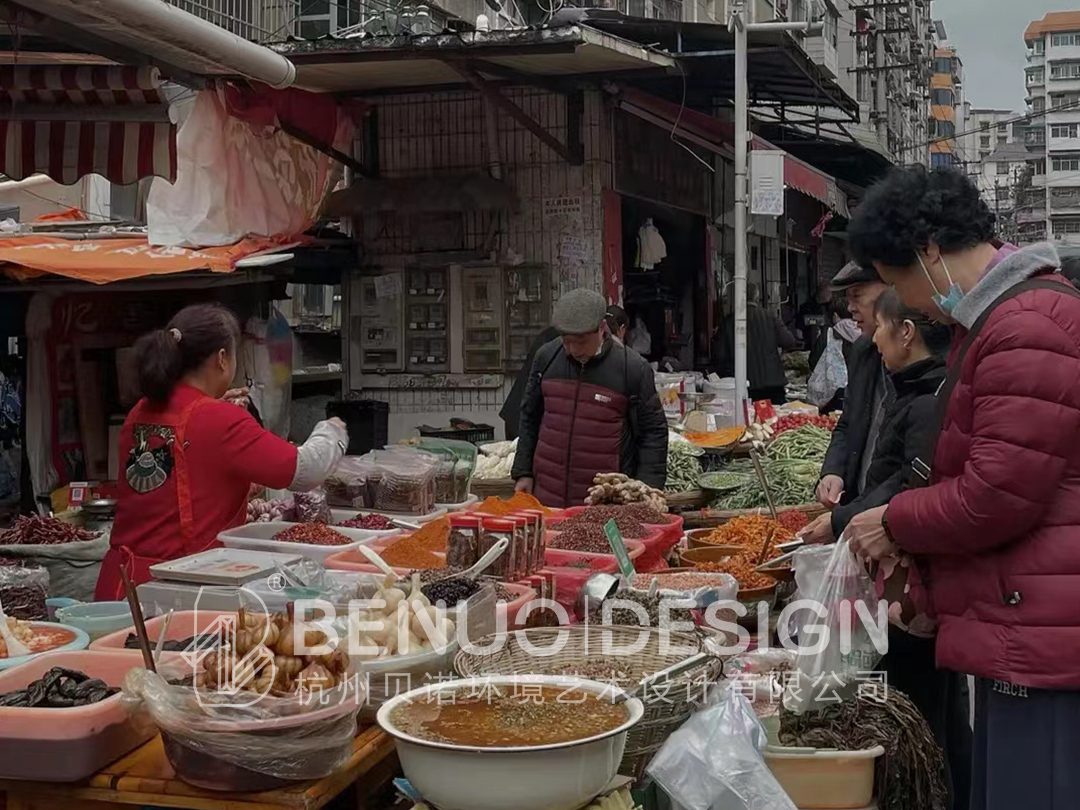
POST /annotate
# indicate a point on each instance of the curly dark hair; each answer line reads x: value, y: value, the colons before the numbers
x: 909, y: 208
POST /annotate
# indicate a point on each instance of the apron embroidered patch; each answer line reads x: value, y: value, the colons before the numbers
x: 150, y: 461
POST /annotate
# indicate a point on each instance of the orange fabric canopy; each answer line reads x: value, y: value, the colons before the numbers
x: 101, y: 261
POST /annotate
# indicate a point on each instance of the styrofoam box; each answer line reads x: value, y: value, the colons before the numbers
x: 259, y: 537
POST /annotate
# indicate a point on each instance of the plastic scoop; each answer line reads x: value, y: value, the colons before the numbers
x: 377, y: 561
x: 15, y: 648
x: 482, y: 564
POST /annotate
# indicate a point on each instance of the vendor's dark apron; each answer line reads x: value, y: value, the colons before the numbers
x: 137, y: 566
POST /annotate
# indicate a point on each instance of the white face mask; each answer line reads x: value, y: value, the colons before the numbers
x: 948, y: 302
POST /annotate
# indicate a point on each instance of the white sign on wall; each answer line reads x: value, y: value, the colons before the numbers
x: 767, y: 183
x: 566, y: 206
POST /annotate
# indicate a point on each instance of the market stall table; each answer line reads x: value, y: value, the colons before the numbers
x: 145, y: 778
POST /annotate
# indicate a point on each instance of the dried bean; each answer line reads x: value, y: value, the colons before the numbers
x: 627, y: 616
x: 312, y: 507
x: 585, y: 537
x: 24, y: 589
x: 450, y: 591
x: 629, y: 527
x: 685, y: 581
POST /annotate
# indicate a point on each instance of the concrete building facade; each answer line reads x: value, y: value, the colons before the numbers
x: 1052, y: 78
x: 947, y: 109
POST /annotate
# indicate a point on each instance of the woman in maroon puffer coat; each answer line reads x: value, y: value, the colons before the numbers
x: 997, y: 529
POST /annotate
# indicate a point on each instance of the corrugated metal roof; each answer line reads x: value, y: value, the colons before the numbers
x: 380, y: 62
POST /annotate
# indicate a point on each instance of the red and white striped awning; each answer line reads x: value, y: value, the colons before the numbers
x: 68, y: 121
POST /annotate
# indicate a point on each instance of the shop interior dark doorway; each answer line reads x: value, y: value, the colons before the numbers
x: 669, y: 296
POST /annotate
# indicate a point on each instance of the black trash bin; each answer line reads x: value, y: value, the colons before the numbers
x: 366, y: 420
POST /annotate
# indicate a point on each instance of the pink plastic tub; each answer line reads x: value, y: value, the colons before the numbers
x: 185, y: 623
x: 523, y: 595
x: 561, y: 558
x: 66, y: 745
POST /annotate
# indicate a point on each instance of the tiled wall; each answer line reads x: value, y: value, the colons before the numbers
x: 432, y: 133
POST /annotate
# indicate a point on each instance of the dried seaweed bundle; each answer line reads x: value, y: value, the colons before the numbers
x: 912, y: 772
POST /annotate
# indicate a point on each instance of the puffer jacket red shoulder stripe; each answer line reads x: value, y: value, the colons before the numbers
x: 1000, y: 527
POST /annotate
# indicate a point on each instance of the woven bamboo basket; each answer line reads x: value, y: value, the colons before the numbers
x: 667, y: 706
x: 488, y: 487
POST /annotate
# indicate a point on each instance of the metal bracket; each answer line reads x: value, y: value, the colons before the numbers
x: 326, y: 149
x: 470, y: 75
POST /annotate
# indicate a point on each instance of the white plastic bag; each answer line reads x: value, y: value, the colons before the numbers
x: 855, y: 639
x: 639, y: 338
x: 830, y: 373
x: 236, y: 179
x: 265, y: 358
x: 714, y: 762
x: 285, y: 737
x: 73, y: 567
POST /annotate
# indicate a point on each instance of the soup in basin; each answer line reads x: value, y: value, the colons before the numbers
x: 509, y: 716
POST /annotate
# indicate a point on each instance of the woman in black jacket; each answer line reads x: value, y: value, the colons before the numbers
x: 913, y: 349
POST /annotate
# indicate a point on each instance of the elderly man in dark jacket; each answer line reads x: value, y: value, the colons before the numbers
x: 590, y: 407
x: 848, y: 459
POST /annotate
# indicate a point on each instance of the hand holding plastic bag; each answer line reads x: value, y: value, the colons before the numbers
x: 849, y: 636
x: 714, y: 762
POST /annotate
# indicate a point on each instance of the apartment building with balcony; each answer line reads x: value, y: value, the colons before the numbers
x: 1052, y: 78
x: 986, y: 130
x: 947, y: 110
x: 886, y: 49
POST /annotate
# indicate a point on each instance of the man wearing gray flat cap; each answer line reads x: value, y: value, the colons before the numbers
x: 590, y: 406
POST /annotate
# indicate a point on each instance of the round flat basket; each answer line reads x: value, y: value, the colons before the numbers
x: 667, y: 704
x: 488, y: 487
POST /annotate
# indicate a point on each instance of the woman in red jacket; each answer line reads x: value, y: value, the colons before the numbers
x: 189, y: 457
x: 996, y: 525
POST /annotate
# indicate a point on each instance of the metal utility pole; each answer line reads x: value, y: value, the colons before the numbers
x: 741, y: 28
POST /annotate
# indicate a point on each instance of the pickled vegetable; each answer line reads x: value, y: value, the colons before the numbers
x: 59, y: 688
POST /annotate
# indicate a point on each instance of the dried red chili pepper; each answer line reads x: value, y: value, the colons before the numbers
x: 314, y: 534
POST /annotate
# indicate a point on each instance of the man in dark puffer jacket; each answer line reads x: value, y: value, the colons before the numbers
x: 590, y: 407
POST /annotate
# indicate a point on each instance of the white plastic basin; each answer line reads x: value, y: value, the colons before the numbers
x: 821, y: 779
x: 563, y: 776
x: 260, y: 537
